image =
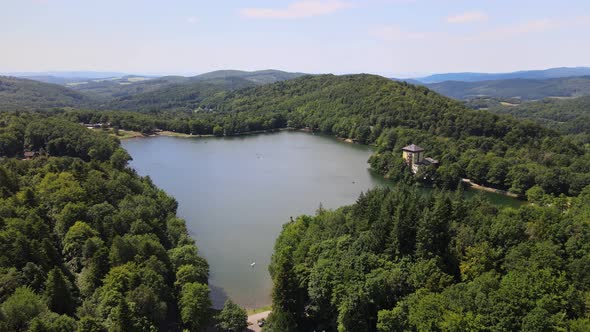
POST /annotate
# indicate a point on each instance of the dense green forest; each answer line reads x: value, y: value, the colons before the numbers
x: 402, y: 260
x: 494, y: 150
x: 88, y: 245
x: 85, y: 243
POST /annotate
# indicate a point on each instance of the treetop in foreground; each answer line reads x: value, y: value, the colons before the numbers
x: 402, y: 260
x: 85, y: 243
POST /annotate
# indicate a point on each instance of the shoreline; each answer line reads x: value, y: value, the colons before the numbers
x: 167, y: 133
x: 128, y: 134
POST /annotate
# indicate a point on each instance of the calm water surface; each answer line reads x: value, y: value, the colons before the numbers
x: 236, y: 193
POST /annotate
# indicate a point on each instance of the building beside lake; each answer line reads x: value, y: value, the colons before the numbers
x: 414, y: 157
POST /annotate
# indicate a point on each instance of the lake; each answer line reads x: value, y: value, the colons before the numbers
x: 235, y: 193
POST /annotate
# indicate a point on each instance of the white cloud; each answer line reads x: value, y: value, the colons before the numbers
x: 299, y: 9
x: 192, y: 20
x: 467, y: 17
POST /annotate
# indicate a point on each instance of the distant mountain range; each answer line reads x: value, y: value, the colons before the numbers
x: 524, y: 89
x: 567, y: 110
x: 527, y: 74
x: 82, y: 77
x: 129, y: 92
x: 269, y: 76
x: 137, y: 92
x: 126, y: 86
x: 67, y: 74
x: 185, y: 96
x: 568, y: 116
x: 258, y: 77
x: 64, y: 77
x: 523, y: 85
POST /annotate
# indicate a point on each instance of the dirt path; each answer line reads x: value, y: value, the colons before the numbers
x: 488, y: 189
x: 253, y: 320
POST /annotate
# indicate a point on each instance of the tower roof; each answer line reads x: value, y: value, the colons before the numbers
x: 413, y: 148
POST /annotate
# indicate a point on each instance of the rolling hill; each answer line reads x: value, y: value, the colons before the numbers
x: 80, y: 75
x: 64, y: 77
x: 528, y: 74
x: 183, y: 96
x: 118, y: 87
x: 130, y: 92
x: 124, y: 87
x: 525, y: 89
x: 258, y: 77
x: 55, y: 79
x: 568, y: 116
x: 25, y: 94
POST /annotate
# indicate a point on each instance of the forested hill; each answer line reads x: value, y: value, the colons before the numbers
x: 107, y: 89
x: 137, y: 93
x: 258, y: 77
x: 85, y: 243
x: 123, y: 87
x: 175, y: 93
x: 524, y: 89
x: 328, y: 102
x: 569, y: 116
x: 23, y: 94
x: 185, y: 96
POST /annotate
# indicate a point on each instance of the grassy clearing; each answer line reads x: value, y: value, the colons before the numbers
x: 122, y: 134
x: 173, y: 134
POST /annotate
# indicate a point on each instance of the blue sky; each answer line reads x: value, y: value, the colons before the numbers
x: 388, y: 37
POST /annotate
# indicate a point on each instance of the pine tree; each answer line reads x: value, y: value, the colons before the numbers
x: 285, y: 293
x: 432, y: 235
x: 122, y: 320
x: 58, y: 295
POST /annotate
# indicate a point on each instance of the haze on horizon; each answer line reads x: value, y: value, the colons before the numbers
x: 387, y: 37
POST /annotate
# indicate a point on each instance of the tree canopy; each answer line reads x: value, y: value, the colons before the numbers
x: 85, y: 243
x: 403, y: 260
